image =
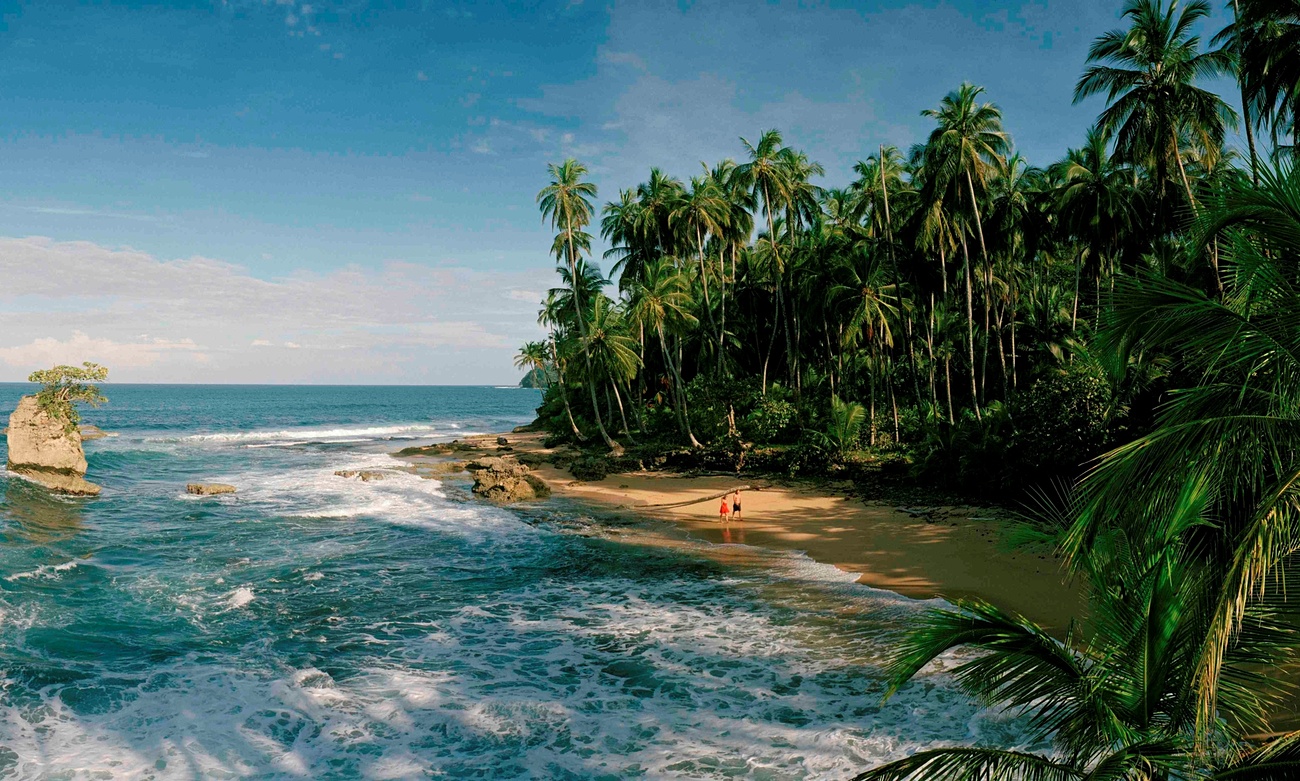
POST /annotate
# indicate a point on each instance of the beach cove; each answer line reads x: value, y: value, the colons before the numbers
x: 954, y: 553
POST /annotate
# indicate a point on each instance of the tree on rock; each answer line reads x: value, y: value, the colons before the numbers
x: 64, y: 386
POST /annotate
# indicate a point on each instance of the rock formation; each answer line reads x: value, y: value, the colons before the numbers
x: 365, y: 475
x: 209, y: 489
x: 43, y: 450
x: 506, y: 480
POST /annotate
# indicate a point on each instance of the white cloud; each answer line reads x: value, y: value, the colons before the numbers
x: 66, y: 302
x: 48, y: 351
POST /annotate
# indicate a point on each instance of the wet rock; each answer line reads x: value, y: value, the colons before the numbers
x: 46, y: 451
x: 209, y: 489
x: 502, y: 441
x: 505, y: 480
x: 365, y: 475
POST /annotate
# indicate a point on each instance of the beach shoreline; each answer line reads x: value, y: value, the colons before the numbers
x: 950, y: 552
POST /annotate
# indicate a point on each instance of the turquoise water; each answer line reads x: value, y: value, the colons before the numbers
x: 322, y: 628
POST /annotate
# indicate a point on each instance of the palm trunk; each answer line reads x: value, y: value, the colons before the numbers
x: 970, y: 327
x: 586, y: 354
x: 947, y: 383
x: 618, y: 398
x: 564, y: 394
x: 680, y: 392
x: 1014, y: 301
x: 1182, y: 171
x: 871, y: 370
x: 893, y: 402
x: 1074, y: 312
x: 704, y: 280
x: 929, y: 346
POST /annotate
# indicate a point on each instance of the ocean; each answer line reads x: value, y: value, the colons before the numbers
x: 313, y: 627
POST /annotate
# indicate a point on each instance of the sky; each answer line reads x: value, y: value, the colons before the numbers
x: 277, y: 191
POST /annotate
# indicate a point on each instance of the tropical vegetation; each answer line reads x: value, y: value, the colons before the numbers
x: 64, y: 387
x: 1123, y: 321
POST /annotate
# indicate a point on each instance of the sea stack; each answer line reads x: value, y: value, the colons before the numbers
x: 46, y: 451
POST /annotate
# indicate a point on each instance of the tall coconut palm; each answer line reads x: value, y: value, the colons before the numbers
x: 765, y: 174
x: 661, y: 302
x: 1095, y: 203
x: 612, y: 350
x: 737, y: 228
x: 1148, y: 73
x: 1264, y: 39
x: 701, y: 213
x: 535, y: 358
x: 566, y: 202
x: 967, y: 145
x: 868, y: 298
x: 620, y: 225
x: 554, y: 315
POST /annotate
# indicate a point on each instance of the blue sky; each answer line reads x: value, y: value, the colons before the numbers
x: 280, y: 191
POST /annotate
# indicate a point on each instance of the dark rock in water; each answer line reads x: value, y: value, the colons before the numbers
x: 365, y: 475
x: 505, y: 480
x: 209, y: 489
x: 44, y: 450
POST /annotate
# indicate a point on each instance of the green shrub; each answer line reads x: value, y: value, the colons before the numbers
x: 1062, y: 420
x: 589, y: 468
x: 774, y: 419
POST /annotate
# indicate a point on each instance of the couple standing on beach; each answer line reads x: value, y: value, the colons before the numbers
x: 726, y: 512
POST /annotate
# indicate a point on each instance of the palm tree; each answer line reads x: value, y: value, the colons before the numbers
x: 868, y: 298
x: 702, y: 212
x: 765, y: 175
x: 1147, y: 73
x: 967, y: 145
x: 552, y: 315
x: 612, y: 350
x: 1264, y: 40
x: 1094, y: 202
x: 1229, y: 439
x: 535, y: 358
x: 1114, y: 706
x: 662, y: 303
x: 737, y: 228
x: 566, y: 202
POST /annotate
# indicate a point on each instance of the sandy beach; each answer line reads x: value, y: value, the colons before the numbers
x: 949, y: 552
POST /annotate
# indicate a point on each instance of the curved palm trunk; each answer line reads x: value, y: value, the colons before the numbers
x: 704, y: 279
x: 679, y: 391
x: 564, y: 394
x: 614, y: 447
x: 1182, y: 171
x: 1245, y: 110
x: 722, y: 300
x: 622, y: 416
x: 970, y: 328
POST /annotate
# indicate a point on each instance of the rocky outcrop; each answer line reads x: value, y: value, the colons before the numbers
x: 43, y: 450
x: 209, y: 489
x: 505, y: 480
x: 364, y: 475
x: 89, y: 432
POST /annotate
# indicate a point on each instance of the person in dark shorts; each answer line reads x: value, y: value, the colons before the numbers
x: 735, y: 506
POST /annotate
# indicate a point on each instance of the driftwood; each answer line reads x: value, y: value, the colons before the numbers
x: 696, y: 501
